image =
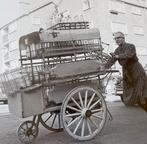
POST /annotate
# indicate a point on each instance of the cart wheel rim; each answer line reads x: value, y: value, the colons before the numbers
x: 27, y: 132
x: 52, y: 121
x: 84, y: 113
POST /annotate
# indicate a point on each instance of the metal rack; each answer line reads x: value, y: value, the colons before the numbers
x: 44, y: 51
x: 70, y: 26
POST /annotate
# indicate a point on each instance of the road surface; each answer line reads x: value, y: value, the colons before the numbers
x: 129, y: 126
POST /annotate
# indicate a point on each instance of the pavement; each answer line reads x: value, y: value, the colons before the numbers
x: 129, y: 126
x: 4, y: 109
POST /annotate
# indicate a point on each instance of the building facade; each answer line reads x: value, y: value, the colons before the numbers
x: 31, y: 18
x: 128, y: 16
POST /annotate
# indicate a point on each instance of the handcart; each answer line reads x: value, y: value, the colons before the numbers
x: 60, y: 83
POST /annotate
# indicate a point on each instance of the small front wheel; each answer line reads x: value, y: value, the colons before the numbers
x: 84, y: 113
x: 27, y: 132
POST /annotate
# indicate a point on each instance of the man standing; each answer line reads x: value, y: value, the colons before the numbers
x: 134, y: 76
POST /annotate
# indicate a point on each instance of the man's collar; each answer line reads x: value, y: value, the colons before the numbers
x: 122, y: 45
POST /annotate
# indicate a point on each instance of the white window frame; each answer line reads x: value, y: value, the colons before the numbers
x: 13, y: 45
x: 14, y: 63
x: 118, y: 28
x: 117, y: 6
x: 36, y: 21
x: 13, y: 27
x: 13, y: 55
x: 138, y: 30
x: 140, y: 50
x: 136, y: 10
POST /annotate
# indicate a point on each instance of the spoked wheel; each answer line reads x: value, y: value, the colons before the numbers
x: 51, y: 121
x: 84, y: 113
x: 27, y: 132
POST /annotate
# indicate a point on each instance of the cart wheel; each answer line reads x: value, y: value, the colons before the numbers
x: 27, y: 132
x: 84, y: 113
x: 51, y: 121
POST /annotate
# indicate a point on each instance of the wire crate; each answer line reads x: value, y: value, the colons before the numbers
x: 60, y: 43
x: 70, y: 26
x: 20, y: 78
x: 11, y: 81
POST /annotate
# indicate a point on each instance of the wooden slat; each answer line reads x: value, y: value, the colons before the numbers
x: 81, y: 76
x: 84, y: 34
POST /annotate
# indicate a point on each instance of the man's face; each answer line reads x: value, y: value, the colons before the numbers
x: 119, y: 38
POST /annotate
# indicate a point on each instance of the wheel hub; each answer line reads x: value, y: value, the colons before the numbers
x: 29, y: 132
x: 86, y: 112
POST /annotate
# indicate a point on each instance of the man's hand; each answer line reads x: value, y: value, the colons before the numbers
x: 114, y: 55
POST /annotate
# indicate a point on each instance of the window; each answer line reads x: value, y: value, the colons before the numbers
x: 119, y: 26
x: 7, y: 64
x: 12, y: 27
x: 14, y: 55
x: 4, y: 34
x: 4, y: 31
x: 136, y: 10
x: 117, y: 6
x: 5, y: 38
x: 6, y: 56
x: 86, y: 5
x: 141, y: 50
x: 138, y: 30
x: 36, y: 24
x: 36, y: 21
x: 13, y: 45
x: 14, y: 64
x: 36, y: 27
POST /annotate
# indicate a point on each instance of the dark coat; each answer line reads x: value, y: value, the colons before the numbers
x: 134, y: 76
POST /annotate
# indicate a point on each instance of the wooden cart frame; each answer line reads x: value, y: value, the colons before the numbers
x: 60, y: 82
